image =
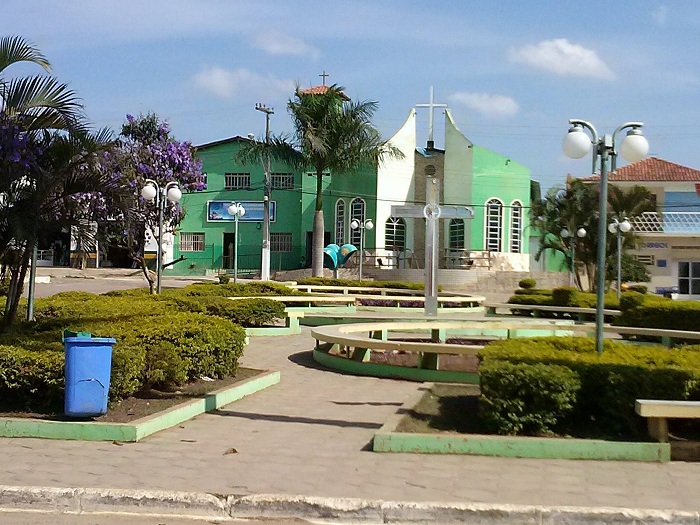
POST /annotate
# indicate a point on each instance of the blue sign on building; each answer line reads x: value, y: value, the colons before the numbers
x: 217, y: 211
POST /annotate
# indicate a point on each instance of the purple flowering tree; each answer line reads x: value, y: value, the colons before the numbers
x: 146, y: 150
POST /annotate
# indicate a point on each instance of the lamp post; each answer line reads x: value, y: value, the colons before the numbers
x: 236, y: 210
x: 366, y: 225
x: 633, y: 147
x: 619, y: 228
x: 265, y: 262
x: 580, y: 233
x: 171, y: 191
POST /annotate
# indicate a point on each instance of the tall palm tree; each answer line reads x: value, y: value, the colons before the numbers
x: 42, y: 119
x: 331, y: 134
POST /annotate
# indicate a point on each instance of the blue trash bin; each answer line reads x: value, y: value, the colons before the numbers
x: 88, y: 368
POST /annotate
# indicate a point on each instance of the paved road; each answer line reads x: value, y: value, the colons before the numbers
x: 36, y: 518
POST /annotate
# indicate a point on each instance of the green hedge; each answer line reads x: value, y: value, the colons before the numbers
x: 650, y: 311
x: 610, y: 382
x: 245, y: 312
x: 160, y: 342
x: 563, y: 296
x: 529, y: 399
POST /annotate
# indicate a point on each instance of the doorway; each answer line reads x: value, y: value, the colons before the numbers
x: 310, y: 245
x: 229, y: 251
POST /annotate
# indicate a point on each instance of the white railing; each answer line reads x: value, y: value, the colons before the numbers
x: 673, y: 222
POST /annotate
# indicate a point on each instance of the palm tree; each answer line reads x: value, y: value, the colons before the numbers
x: 49, y: 159
x: 37, y: 102
x: 331, y: 134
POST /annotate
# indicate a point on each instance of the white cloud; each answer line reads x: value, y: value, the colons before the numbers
x: 487, y: 104
x: 563, y: 58
x: 277, y: 43
x: 226, y: 84
x: 660, y: 14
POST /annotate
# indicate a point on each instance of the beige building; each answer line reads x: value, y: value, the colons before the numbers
x: 669, y: 237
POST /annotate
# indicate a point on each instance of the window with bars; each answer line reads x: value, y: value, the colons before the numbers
x: 395, y: 234
x: 282, y: 181
x: 689, y: 278
x: 280, y: 242
x: 494, y: 225
x: 191, y: 242
x: 340, y: 222
x: 357, y: 211
x: 237, y: 181
x: 456, y: 234
x: 648, y: 260
x: 516, y: 227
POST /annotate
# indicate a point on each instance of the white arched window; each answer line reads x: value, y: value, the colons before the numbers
x: 340, y: 222
x: 494, y: 225
x: 357, y: 211
x: 395, y: 234
x: 516, y: 227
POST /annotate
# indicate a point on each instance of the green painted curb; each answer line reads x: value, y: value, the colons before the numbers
x: 388, y: 440
x: 380, y: 370
x: 95, y: 431
x: 521, y: 447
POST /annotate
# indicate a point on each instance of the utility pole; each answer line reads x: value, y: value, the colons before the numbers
x: 265, y: 264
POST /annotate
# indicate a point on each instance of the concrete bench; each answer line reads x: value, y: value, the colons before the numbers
x: 658, y: 412
x: 306, y: 300
x: 536, y: 309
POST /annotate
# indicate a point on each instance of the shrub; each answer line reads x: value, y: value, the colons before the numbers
x: 234, y: 290
x: 527, y: 283
x: 629, y: 300
x: 31, y: 380
x: 245, y: 312
x: 533, y: 291
x: 224, y: 279
x: 530, y: 399
x: 638, y: 288
x: 610, y: 382
x: 658, y: 312
x: 158, y: 342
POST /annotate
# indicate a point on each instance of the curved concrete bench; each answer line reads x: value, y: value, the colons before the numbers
x: 357, y: 340
x: 351, y: 340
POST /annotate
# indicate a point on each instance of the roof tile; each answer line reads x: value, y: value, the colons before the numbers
x: 652, y: 169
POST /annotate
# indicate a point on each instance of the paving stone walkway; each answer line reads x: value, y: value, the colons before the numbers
x: 311, y: 435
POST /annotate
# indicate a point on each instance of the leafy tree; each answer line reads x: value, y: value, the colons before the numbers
x: 331, y: 134
x: 145, y: 150
x: 576, y: 206
x: 47, y: 158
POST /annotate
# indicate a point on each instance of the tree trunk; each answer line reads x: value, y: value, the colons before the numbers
x: 319, y: 227
x: 141, y: 261
x: 15, y: 293
x: 317, y: 248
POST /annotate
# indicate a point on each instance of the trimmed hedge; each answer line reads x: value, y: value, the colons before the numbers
x: 563, y: 296
x: 653, y: 311
x: 160, y: 342
x: 610, y: 382
x: 529, y: 399
x: 527, y: 283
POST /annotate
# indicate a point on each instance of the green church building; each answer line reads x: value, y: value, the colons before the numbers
x: 494, y: 186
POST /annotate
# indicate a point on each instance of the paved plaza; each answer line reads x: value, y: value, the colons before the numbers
x: 311, y: 434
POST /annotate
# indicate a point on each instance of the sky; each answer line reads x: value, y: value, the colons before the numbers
x: 512, y: 72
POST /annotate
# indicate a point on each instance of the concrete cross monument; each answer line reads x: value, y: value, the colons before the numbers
x: 432, y: 212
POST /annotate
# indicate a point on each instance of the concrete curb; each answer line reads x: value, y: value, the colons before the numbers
x: 225, y: 507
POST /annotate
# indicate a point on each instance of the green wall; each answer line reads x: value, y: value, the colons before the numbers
x: 497, y: 176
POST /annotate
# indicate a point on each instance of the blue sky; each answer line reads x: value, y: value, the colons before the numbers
x: 512, y: 72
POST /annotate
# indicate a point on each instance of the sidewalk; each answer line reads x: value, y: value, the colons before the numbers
x: 311, y: 435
